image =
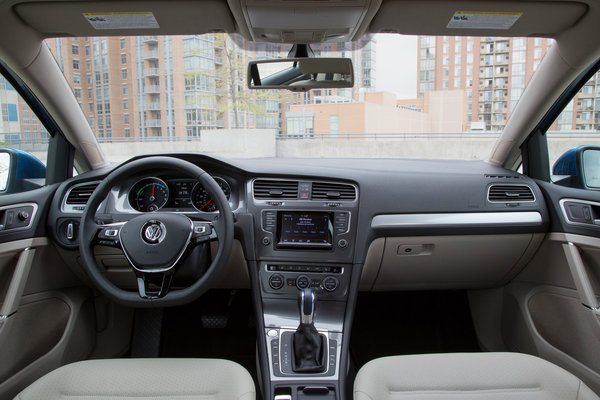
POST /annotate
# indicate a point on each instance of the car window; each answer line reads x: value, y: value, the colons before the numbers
x: 414, y: 96
x: 23, y: 143
x: 577, y: 125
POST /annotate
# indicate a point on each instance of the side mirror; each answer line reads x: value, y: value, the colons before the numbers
x: 579, y: 167
x: 20, y: 171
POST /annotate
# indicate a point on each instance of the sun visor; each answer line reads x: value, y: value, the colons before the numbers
x: 124, y: 18
x: 308, y: 21
x: 472, y: 18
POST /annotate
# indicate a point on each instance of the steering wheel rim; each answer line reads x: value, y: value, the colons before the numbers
x: 222, y: 223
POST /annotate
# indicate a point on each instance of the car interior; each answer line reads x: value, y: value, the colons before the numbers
x: 421, y: 278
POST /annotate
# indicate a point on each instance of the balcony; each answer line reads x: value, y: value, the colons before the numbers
x: 150, y: 39
x: 153, y: 123
x: 155, y: 106
x: 150, y: 55
x: 151, y: 72
x: 218, y: 60
x: 220, y: 123
x: 152, y: 89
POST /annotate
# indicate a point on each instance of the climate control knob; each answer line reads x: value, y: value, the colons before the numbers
x: 276, y: 281
x: 302, y: 282
x: 330, y: 283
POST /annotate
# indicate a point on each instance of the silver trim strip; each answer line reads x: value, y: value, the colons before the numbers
x: 457, y: 220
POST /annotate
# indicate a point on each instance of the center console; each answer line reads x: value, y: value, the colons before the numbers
x: 304, y: 247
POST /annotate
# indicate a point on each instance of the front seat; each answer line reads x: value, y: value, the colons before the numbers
x: 467, y: 376
x: 139, y: 379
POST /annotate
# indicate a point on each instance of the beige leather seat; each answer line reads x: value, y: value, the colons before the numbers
x: 144, y: 379
x: 467, y: 376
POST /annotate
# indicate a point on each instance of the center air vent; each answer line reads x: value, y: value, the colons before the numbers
x: 332, y: 191
x: 267, y: 189
x: 507, y: 193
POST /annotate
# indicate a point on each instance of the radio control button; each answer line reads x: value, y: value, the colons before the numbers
x: 343, y: 243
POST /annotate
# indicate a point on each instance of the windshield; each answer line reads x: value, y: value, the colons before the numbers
x: 414, y: 96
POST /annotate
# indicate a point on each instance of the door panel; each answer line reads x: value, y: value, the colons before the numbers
x: 47, y: 314
x: 543, y: 309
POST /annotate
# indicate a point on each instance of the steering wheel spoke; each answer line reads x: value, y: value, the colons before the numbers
x: 108, y: 234
x: 203, y: 231
x: 154, y: 285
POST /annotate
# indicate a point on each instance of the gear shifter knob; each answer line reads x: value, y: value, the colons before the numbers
x: 306, y: 301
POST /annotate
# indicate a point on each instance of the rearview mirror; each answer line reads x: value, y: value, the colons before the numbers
x: 301, y: 74
x: 579, y: 167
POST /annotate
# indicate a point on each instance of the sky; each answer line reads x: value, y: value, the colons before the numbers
x: 396, y: 69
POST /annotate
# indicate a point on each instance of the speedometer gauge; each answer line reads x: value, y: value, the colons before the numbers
x: 204, y: 201
x: 149, y: 194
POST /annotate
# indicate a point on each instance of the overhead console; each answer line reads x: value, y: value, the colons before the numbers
x: 304, y: 21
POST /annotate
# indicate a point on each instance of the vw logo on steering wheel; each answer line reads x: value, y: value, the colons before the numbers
x: 153, y: 232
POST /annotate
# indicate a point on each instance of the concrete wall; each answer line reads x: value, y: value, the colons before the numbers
x: 262, y: 144
x: 230, y: 143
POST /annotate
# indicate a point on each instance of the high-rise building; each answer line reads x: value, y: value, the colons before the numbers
x: 492, y: 70
x: 155, y: 87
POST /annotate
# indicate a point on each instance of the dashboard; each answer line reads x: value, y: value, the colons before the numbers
x: 332, y: 215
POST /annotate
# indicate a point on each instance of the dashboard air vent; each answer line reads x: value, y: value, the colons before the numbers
x: 332, y: 191
x: 80, y: 194
x: 268, y: 189
x: 504, y: 193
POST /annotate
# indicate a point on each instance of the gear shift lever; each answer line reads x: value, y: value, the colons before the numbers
x: 307, y: 306
x: 309, y: 355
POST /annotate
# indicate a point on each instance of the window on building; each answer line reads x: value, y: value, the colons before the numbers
x: 125, y: 104
x: 90, y: 93
x: 334, y: 124
x: 88, y: 65
x: 123, y: 58
x: 77, y: 92
x: 91, y: 107
x: 87, y: 50
x: 124, y: 89
x: 122, y: 43
x: 75, y: 50
x: 75, y: 64
x: 127, y: 132
x: 123, y: 74
x: 77, y: 79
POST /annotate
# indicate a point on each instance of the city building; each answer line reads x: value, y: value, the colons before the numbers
x: 378, y: 113
x: 492, y: 70
x: 157, y: 88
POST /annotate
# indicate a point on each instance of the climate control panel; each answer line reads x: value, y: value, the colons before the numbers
x: 288, y: 279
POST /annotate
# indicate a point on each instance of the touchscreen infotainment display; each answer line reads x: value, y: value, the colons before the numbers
x: 304, y: 229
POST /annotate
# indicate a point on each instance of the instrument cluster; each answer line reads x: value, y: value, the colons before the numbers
x: 152, y: 194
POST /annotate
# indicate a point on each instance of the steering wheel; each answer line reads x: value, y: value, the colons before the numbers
x: 155, y: 242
